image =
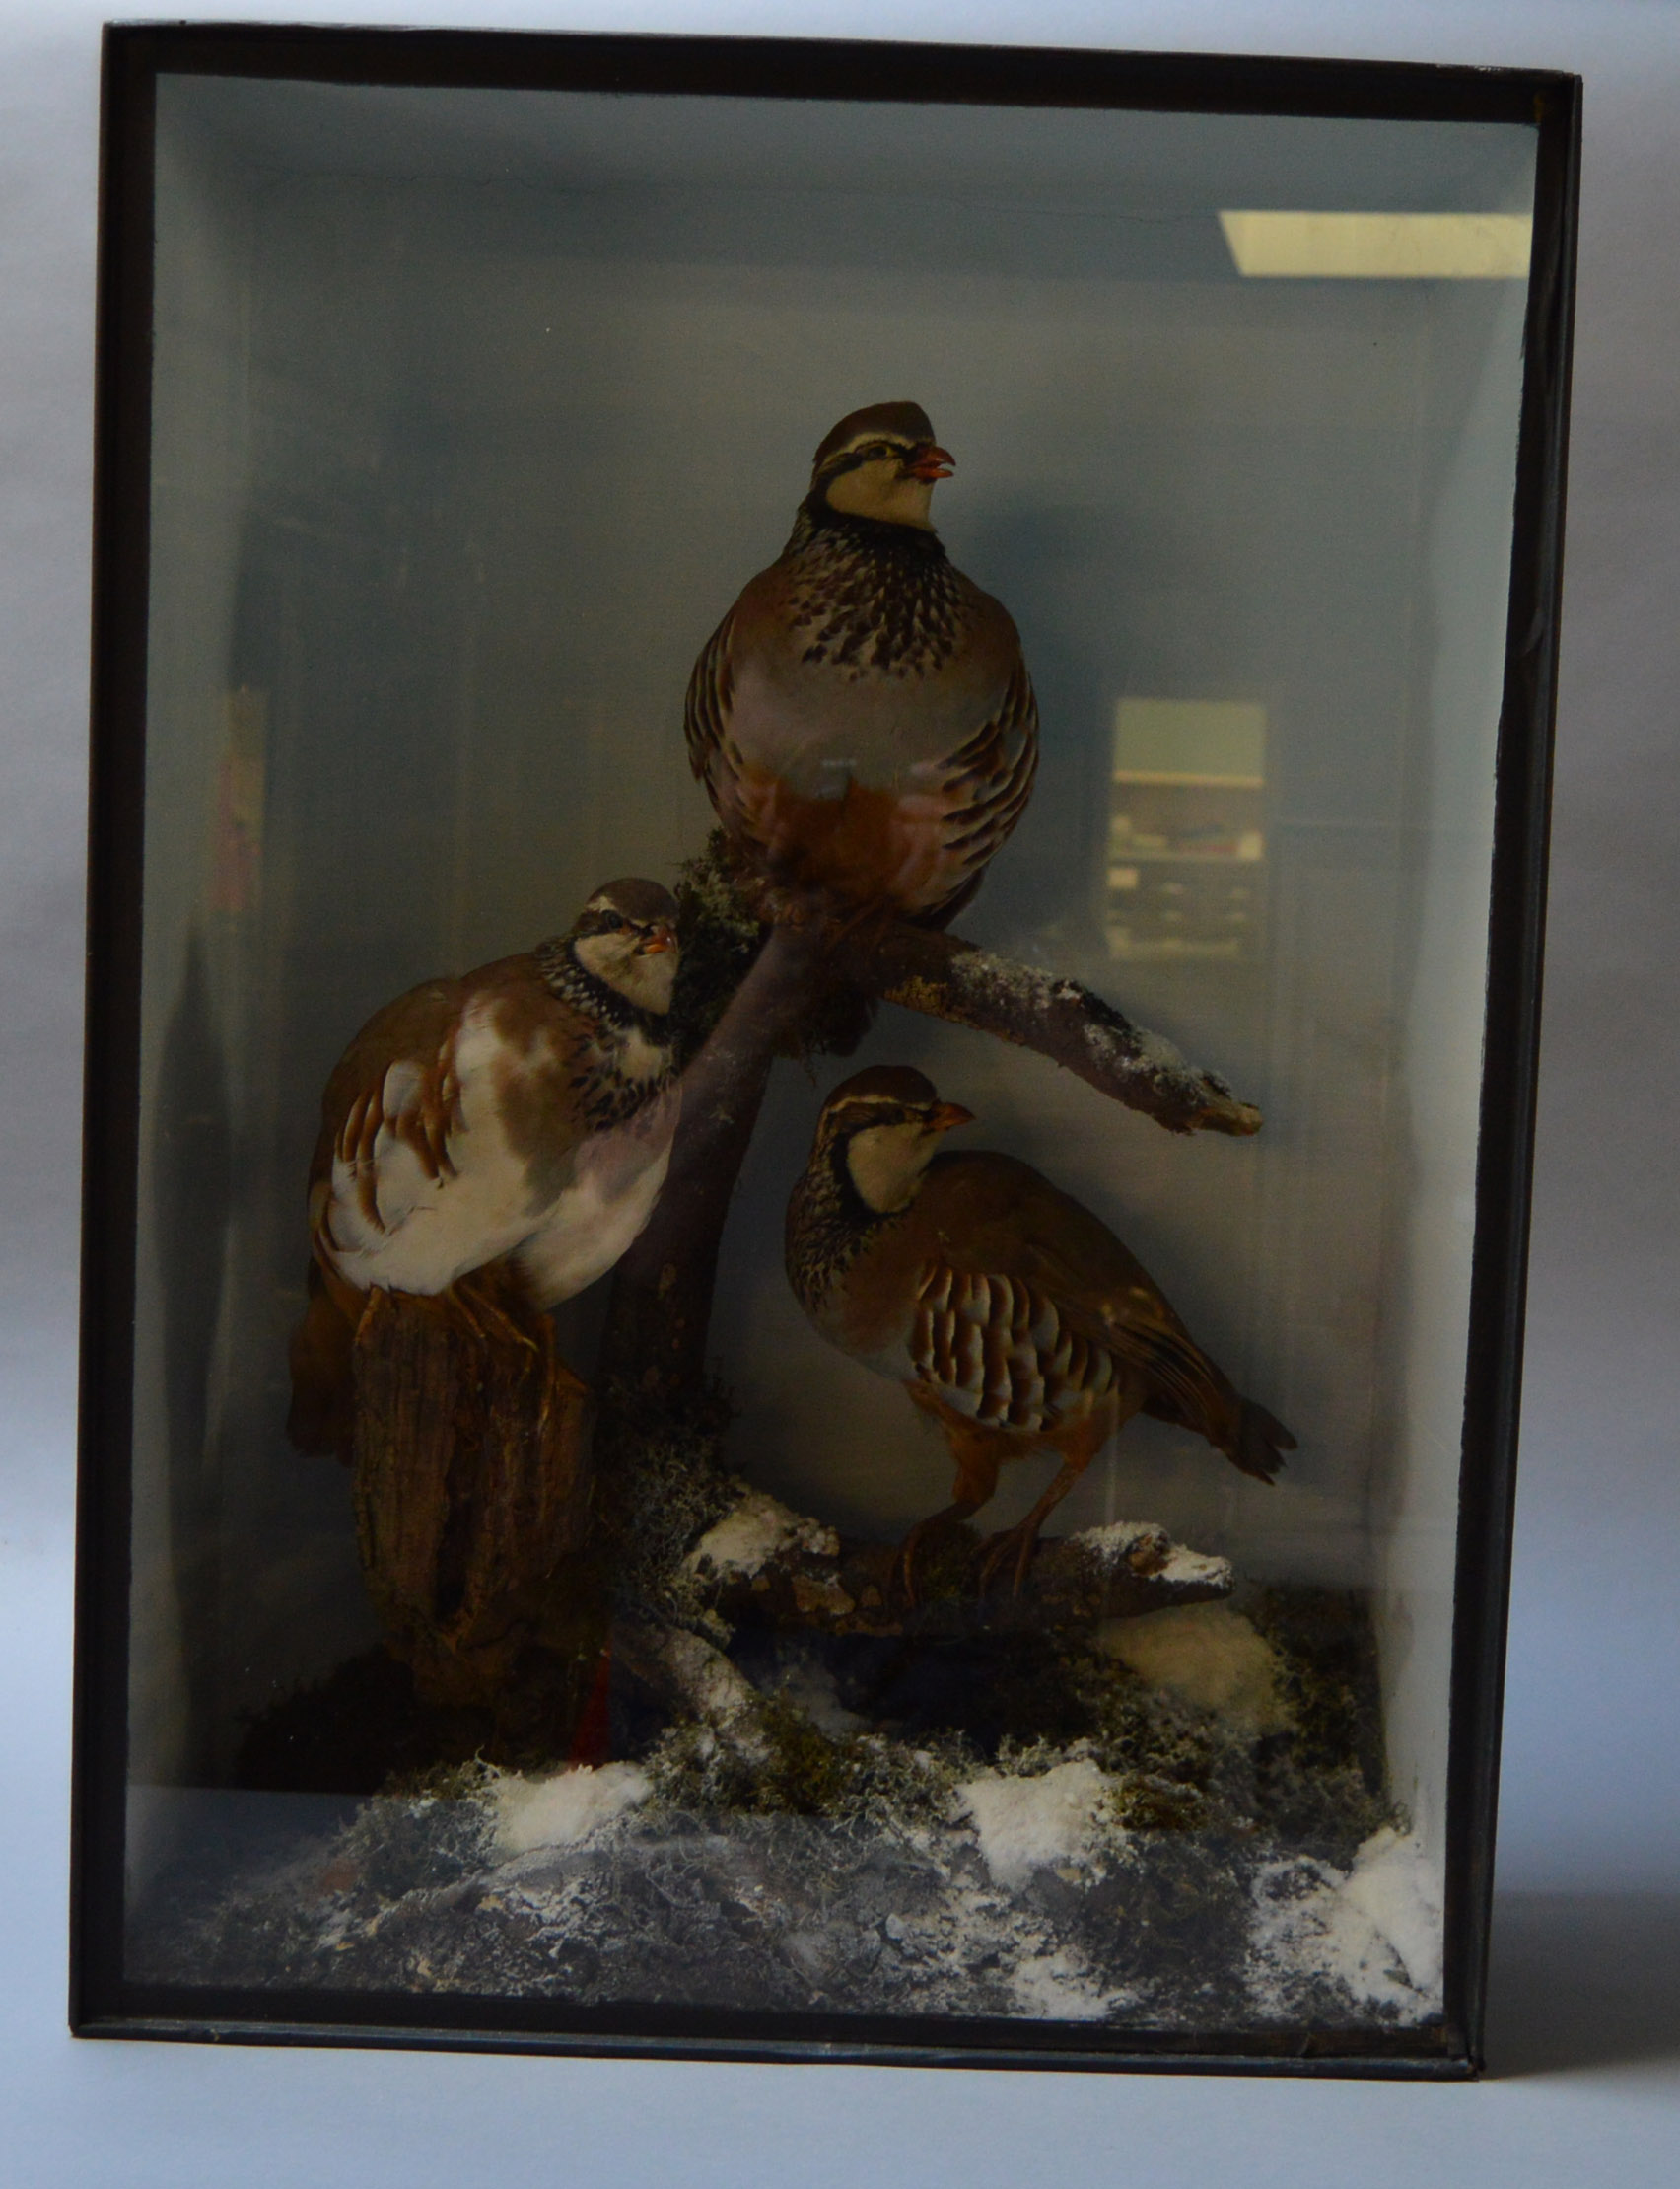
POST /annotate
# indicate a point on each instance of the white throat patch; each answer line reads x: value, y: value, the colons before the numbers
x: 879, y: 490
x: 886, y: 1162
x: 647, y: 982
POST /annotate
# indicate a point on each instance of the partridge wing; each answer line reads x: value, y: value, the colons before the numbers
x: 1084, y: 1306
x: 706, y: 712
x: 390, y: 1112
x: 991, y: 776
x: 988, y: 1330
x: 994, y: 1349
x: 1104, y: 1293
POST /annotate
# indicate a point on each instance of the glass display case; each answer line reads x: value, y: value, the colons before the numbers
x: 567, y: 1632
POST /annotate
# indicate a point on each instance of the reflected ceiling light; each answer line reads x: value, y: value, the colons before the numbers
x: 1191, y: 740
x: 1380, y: 247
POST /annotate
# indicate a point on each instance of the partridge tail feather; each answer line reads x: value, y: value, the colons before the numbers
x: 1260, y: 1443
x: 1198, y: 1395
x: 322, y: 1416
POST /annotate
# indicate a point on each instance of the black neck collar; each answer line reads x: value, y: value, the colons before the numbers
x: 849, y: 1203
x: 574, y: 983
x: 869, y: 536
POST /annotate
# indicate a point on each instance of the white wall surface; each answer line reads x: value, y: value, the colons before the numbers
x: 1592, y: 1764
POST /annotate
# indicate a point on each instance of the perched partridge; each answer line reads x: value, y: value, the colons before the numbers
x: 1010, y: 1313
x: 524, y: 1112
x: 861, y: 718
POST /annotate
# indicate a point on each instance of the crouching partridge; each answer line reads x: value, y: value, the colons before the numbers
x: 1010, y: 1313
x: 861, y: 718
x: 520, y: 1116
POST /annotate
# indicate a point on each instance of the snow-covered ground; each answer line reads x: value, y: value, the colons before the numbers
x: 1026, y: 1899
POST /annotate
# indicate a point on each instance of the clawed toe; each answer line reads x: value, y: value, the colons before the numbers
x: 903, y: 1575
x: 901, y: 1581
x: 1016, y: 1544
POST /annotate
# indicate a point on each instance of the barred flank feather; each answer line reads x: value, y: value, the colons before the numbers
x: 997, y: 1351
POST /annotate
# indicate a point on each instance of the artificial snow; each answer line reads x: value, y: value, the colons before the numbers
x: 1027, y: 1824
x: 1114, y: 1544
x: 1023, y: 1900
x: 1053, y: 1987
x: 1158, y: 1051
x: 814, y: 1688
x: 1376, y: 1928
x: 563, y: 1811
x: 756, y: 1530
x: 1207, y: 1654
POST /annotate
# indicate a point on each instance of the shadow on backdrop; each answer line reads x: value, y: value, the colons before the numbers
x: 1584, y: 1980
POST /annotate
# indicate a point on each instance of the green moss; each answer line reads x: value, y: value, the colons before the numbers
x: 1316, y: 1785
x: 806, y: 1773
x: 1180, y: 1769
x: 442, y: 1782
x: 660, y: 1485
x: 1041, y: 1693
x: 1147, y: 1802
x: 785, y: 1764
x: 1322, y: 1786
x: 720, y: 936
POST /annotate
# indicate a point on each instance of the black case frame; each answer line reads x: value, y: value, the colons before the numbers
x: 103, y: 2002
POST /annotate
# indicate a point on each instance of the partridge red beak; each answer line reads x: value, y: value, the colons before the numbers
x: 659, y: 940
x: 933, y: 462
x: 949, y: 1114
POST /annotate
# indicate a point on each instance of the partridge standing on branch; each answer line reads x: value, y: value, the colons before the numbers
x: 524, y: 1112
x: 1010, y: 1313
x: 863, y: 718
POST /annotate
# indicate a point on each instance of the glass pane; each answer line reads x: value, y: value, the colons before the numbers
x: 474, y: 413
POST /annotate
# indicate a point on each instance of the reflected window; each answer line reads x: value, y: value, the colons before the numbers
x: 1186, y: 855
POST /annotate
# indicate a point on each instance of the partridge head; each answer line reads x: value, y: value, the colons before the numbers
x: 1011, y: 1314
x: 882, y: 462
x: 861, y: 718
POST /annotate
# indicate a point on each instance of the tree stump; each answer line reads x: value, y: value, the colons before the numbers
x: 472, y: 1490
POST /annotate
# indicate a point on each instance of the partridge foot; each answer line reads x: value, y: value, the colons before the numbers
x: 483, y: 1314
x: 902, y: 1579
x: 1017, y: 1546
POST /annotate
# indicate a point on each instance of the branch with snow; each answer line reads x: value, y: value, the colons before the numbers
x: 692, y: 1679
x: 946, y: 977
x: 763, y: 1565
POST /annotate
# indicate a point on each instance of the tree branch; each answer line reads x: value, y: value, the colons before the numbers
x: 947, y: 978
x: 655, y: 1340
x: 764, y: 1566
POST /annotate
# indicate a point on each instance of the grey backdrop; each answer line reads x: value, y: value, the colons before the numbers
x: 1587, y: 2023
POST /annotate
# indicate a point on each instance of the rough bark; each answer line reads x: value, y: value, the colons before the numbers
x: 947, y: 978
x: 764, y: 1566
x: 654, y: 1342
x: 692, y: 1681
x: 472, y: 1490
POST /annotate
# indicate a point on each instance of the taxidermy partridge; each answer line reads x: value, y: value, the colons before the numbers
x: 1010, y: 1313
x: 520, y: 1116
x: 861, y: 718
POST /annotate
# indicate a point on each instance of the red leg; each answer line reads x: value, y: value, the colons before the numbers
x: 975, y: 1451
x: 1019, y: 1543
x: 1078, y: 1446
x: 904, y: 1558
